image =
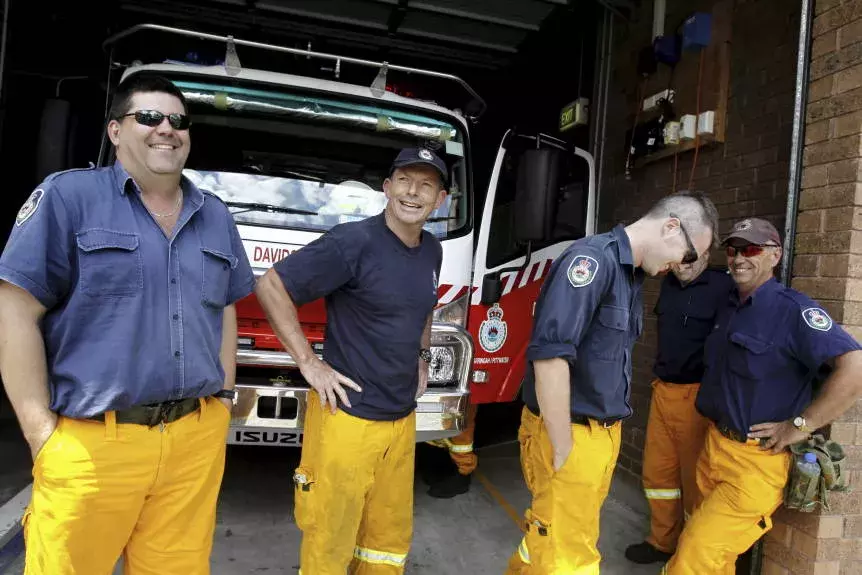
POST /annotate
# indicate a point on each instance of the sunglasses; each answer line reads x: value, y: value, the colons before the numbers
x: 691, y: 253
x: 153, y: 118
x: 747, y: 251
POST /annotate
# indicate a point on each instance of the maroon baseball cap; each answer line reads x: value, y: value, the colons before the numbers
x: 754, y: 230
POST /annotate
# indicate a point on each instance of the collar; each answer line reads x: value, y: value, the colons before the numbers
x: 124, y: 181
x: 703, y: 278
x: 625, y: 246
x: 763, y: 291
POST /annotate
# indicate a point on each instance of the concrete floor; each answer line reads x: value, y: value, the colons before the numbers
x: 472, y: 533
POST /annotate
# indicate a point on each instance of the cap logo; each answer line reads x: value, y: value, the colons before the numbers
x: 425, y: 155
x: 742, y: 226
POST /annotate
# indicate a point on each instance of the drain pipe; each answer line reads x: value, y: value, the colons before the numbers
x: 803, y: 59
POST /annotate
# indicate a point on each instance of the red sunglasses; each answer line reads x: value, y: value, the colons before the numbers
x: 748, y: 251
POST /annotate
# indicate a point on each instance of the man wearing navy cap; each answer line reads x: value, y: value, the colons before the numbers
x: 354, y: 483
x: 765, y: 351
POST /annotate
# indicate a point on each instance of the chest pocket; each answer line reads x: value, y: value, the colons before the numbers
x: 110, y: 263
x: 609, y: 332
x: 748, y: 356
x: 215, y: 282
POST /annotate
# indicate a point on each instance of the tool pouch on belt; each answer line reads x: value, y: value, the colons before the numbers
x: 803, y: 493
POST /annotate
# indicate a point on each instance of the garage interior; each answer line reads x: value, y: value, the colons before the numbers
x: 528, y: 59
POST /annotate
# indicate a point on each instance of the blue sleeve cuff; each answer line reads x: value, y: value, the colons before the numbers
x: 294, y: 291
x: 551, y: 351
x: 243, y: 292
x: 45, y: 297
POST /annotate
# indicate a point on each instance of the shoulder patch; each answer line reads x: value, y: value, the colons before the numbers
x: 582, y: 271
x: 817, y: 318
x: 30, y: 206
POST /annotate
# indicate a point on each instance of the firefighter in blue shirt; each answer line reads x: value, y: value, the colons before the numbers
x: 124, y: 394
x: 354, y: 483
x: 588, y: 316
x: 688, y: 301
x: 767, y: 347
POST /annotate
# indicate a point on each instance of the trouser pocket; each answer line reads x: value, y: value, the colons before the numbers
x: 304, y: 488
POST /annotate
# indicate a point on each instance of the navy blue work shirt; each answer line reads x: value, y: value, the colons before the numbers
x: 132, y: 316
x: 763, y: 356
x: 590, y: 312
x: 686, y: 316
x: 379, y: 294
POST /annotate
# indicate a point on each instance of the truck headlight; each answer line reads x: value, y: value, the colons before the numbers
x: 454, y: 311
x: 451, y: 356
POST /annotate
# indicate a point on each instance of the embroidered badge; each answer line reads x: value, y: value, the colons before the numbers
x: 425, y: 155
x: 29, y: 207
x: 493, y: 331
x: 817, y: 319
x: 582, y: 270
x: 742, y: 226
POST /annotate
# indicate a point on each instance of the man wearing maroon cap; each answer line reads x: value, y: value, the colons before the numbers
x: 762, y: 358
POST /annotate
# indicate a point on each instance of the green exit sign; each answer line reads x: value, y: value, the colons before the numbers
x: 574, y: 114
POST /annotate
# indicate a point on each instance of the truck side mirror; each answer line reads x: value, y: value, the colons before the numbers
x: 536, y: 195
x: 492, y: 288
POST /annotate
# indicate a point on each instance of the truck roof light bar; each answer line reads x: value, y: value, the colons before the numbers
x: 232, y: 59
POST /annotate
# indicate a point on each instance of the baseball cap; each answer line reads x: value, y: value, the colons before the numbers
x: 410, y: 156
x: 754, y: 230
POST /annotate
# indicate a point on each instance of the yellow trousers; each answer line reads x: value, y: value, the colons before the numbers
x: 674, y: 439
x: 563, y: 518
x: 354, y: 493
x: 742, y: 486
x: 461, y: 446
x: 102, y: 490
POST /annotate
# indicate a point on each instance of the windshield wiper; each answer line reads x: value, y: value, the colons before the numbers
x: 253, y: 207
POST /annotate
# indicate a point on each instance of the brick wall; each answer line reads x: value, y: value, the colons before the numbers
x: 828, y: 267
x: 744, y: 176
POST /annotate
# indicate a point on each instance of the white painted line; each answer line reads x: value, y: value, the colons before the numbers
x: 11, y: 513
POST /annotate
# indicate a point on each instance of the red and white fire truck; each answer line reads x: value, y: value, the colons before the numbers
x: 294, y: 155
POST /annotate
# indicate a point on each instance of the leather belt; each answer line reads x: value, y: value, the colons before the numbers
x: 155, y: 413
x: 580, y: 419
x: 732, y: 434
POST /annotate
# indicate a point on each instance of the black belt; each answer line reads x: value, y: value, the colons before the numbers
x: 580, y: 419
x: 732, y: 434
x: 154, y: 413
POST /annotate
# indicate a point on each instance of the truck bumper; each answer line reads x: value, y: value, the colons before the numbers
x: 267, y: 415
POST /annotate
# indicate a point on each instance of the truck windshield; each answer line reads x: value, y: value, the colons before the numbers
x: 309, y: 162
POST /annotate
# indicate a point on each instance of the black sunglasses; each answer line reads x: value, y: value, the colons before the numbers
x: 691, y: 254
x: 153, y: 118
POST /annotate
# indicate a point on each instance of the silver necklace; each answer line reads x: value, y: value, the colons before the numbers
x: 179, y: 200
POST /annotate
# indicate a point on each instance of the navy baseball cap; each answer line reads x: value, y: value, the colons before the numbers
x: 410, y: 156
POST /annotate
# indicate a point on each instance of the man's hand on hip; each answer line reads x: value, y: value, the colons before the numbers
x: 227, y: 403
x: 778, y: 436
x: 423, y: 378
x: 327, y: 382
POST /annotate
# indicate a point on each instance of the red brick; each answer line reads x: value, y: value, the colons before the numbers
x: 806, y: 266
x: 832, y: 150
x: 831, y: 196
x: 821, y: 288
x: 834, y: 265
x: 846, y: 125
x: 822, y: 45
x: 840, y: 219
x: 809, y: 221
x: 817, y: 132
x: 853, y: 525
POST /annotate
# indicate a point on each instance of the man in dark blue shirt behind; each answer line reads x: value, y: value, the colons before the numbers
x: 354, y: 483
x: 118, y: 349
x: 687, y: 305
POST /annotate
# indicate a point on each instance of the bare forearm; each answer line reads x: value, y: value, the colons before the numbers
x: 839, y: 392
x: 426, y: 333
x: 554, y: 394
x: 229, y: 346
x: 23, y: 365
x: 283, y: 318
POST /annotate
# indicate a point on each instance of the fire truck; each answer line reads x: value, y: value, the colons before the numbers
x: 293, y: 155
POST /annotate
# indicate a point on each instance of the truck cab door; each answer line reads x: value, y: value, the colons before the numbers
x: 550, y: 185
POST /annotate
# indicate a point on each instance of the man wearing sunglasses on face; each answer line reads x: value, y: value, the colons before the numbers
x: 764, y: 353
x: 117, y: 349
x: 577, y: 386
